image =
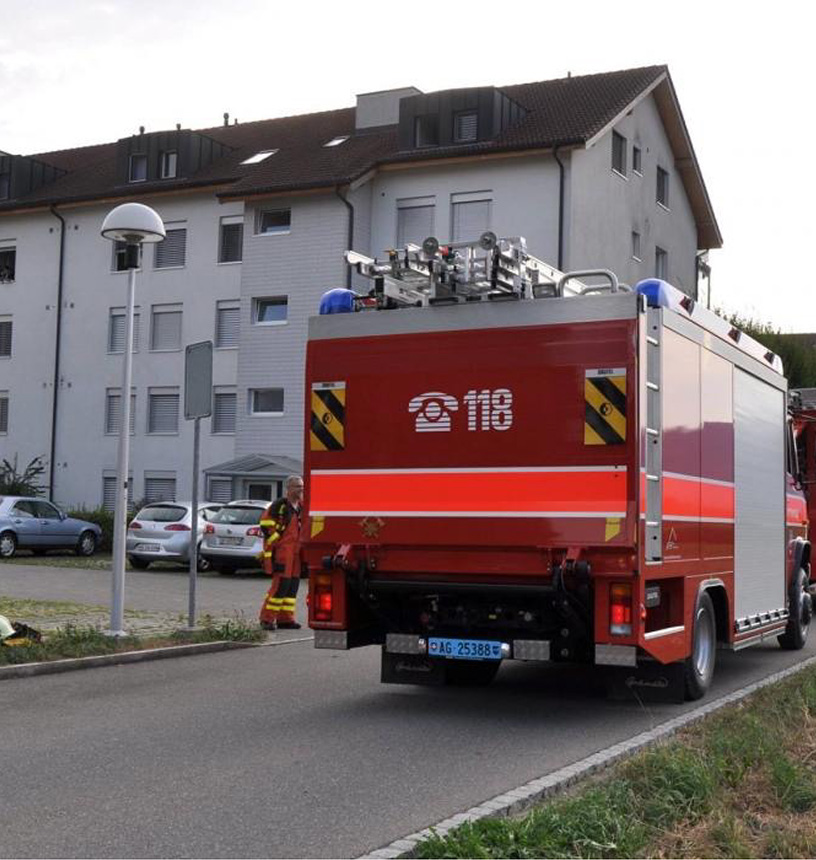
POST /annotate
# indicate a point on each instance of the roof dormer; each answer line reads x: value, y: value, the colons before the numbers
x: 21, y: 174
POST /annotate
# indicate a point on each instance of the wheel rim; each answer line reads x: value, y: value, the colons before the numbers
x: 805, y: 610
x: 6, y: 545
x: 87, y: 544
x: 703, y: 643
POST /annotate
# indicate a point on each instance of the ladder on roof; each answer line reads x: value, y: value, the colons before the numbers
x: 488, y: 268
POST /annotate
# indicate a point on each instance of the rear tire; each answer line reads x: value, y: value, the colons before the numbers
x: 138, y: 563
x: 204, y: 564
x: 699, y: 667
x: 86, y: 545
x: 470, y: 673
x: 8, y: 545
x: 801, y: 611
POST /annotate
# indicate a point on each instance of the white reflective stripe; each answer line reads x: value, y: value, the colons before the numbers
x: 679, y: 519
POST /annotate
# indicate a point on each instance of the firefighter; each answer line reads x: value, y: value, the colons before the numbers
x: 280, y: 525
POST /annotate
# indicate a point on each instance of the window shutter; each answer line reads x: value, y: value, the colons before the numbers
x: 166, y: 330
x: 470, y: 220
x: 466, y: 127
x: 220, y: 490
x: 224, y: 411
x: 109, y: 492
x: 5, y: 338
x: 414, y: 224
x: 113, y: 413
x: 160, y: 490
x: 164, y: 411
x: 116, y: 333
x: 227, y: 324
x: 172, y: 251
x: 4, y: 410
x: 232, y: 240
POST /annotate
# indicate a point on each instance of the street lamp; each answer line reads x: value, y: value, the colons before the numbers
x: 134, y: 224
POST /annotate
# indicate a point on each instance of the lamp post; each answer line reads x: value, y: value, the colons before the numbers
x: 134, y: 224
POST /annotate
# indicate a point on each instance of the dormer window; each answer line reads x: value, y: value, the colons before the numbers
x: 5, y: 186
x: 169, y: 164
x: 426, y: 130
x: 259, y: 156
x: 138, y: 168
x: 466, y: 126
x: 336, y: 141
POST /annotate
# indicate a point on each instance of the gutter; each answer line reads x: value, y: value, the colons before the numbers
x: 350, y: 242
x: 57, y: 340
x: 560, y: 209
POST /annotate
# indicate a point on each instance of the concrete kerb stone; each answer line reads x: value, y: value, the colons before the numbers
x: 522, y: 798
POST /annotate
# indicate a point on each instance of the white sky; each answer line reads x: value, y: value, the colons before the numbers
x: 74, y: 73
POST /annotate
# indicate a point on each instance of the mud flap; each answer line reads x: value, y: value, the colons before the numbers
x: 649, y: 681
x: 412, y: 669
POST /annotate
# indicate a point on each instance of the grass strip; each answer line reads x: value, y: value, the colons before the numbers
x: 88, y: 641
x: 741, y: 783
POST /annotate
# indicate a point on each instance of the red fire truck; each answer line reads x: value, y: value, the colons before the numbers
x: 504, y: 462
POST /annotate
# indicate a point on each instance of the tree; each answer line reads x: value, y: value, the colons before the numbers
x: 25, y: 483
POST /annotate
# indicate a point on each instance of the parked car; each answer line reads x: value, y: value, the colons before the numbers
x: 161, y: 531
x: 233, y: 539
x: 39, y: 525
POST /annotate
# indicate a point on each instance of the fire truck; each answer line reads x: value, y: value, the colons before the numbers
x: 508, y: 462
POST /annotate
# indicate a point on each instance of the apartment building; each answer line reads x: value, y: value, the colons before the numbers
x: 595, y: 171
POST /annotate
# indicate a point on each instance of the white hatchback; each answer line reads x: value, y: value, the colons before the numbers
x: 161, y: 531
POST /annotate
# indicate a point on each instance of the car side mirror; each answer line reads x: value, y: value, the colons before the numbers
x: 63, y: 515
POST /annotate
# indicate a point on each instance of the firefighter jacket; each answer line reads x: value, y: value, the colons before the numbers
x: 280, y: 525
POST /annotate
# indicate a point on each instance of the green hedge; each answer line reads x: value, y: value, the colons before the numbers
x: 102, y: 518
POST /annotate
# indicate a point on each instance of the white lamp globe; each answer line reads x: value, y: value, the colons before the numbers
x: 133, y: 223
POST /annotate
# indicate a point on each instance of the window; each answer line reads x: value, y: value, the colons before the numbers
x: 270, y: 311
x: 336, y: 141
x: 415, y: 220
x: 426, y: 130
x: 4, y: 410
x: 113, y: 411
x: 636, y: 162
x: 262, y: 492
x: 116, y: 330
x: 162, y: 410
x: 5, y: 186
x: 274, y: 221
x: 171, y: 253
x: 159, y: 487
x: 619, y: 153
x: 231, y: 240
x: 165, y: 328
x: 5, y: 337
x: 8, y: 261
x: 220, y: 490
x: 266, y: 401
x: 224, y: 408
x: 661, y: 264
x: 465, y: 126
x: 138, y: 168
x: 120, y: 257
x: 227, y: 324
x: 636, y: 245
x: 45, y: 511
x: 168, y: 162
x: 662, y: 187
x: 470, y: 216
x: 259, y: 156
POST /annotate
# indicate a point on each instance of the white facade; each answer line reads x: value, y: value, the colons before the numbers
x: 515, y: 195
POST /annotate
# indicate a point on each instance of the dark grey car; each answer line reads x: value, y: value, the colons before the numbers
x: 39, y: 525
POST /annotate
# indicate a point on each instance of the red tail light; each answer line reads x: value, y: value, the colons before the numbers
x: 209, y: 530
x: 323, y: 599
x: 620, y: 609
x: 177, y: 527
x: 255, y: 531
x: 135, y: 525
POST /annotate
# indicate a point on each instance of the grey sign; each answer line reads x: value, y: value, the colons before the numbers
x: 198, y: 380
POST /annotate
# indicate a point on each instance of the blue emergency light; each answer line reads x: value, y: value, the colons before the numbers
x: 337, y: 301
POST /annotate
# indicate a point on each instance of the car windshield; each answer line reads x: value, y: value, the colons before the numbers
x: 238, y: 516
x: 162, y: 514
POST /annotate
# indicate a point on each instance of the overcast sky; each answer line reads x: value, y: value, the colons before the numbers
x: 74, y: 73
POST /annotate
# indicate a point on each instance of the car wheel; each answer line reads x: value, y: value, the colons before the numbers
x: 86, y: 545
x: 699, y: 667
x: 138, y: 563
x: 8, y: 544
x: 801, y: 611
x: 204, y: 564
x: 470, y: 673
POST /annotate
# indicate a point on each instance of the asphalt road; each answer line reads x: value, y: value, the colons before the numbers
x: 286, y: 751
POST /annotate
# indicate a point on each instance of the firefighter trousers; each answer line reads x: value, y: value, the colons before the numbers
x: 281, y: 599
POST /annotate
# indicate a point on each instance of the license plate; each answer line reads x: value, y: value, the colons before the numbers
x: 230, y: 541
x: 148, y: 547
x: 465, y: 649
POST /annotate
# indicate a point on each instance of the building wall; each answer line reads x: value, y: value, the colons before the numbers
x: 606, y: 207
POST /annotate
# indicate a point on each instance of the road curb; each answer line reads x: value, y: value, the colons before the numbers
x: 49, y: 667
x: 520, y: 799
